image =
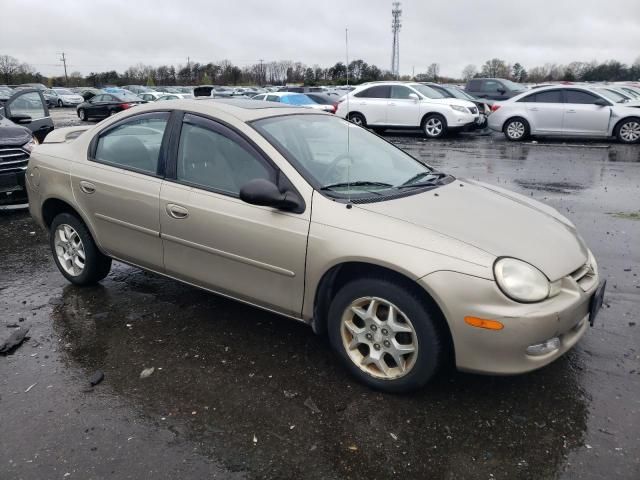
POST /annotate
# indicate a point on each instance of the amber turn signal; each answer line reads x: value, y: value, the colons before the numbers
x: 483, y: 323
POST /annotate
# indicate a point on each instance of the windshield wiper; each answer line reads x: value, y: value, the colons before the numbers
x: 360, y: 183
x: 413, y: 181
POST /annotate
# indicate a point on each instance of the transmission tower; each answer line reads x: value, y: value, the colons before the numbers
x: 395, y: 28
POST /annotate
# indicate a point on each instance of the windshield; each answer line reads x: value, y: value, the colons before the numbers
x: 427, y: 91
x: 63, y: 91
x: 296, y: 99
x: 457, y: 93
x: 611, y: 95
x: 513, y: 85
x: 341, y: 158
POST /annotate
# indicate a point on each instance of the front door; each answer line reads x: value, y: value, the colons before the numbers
x: 29, y: 108
x: 402, y: 110
x: 118, y: 188
x: 583, y: 117
x: 213, y: 239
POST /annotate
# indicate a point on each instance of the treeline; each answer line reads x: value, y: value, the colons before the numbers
x: 12, y: 71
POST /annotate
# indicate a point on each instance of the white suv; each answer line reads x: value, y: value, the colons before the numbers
x: 384, y: 105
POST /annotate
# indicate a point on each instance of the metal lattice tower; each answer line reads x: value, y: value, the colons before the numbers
x: 395, y: 28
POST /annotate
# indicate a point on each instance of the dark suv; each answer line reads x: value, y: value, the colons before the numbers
x: 24, y: 120
x: 493, y: 88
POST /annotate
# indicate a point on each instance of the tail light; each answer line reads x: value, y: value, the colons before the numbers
x: 334, y: 107
x: 124, y: 106
x: 495, y: 107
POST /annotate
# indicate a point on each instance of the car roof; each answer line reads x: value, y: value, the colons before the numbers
x: 243, y: 109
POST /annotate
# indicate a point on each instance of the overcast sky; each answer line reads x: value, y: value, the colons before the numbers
x: 104, y: 35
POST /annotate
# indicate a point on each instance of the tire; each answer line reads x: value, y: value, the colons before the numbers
x: 420, y: 365
x: 69, y: 237
x: 434, y: 125
x: 516, y: 129
x: 112, y: 113
x: 358, y: 119
x: 83, y: 115
x: 628, y: 131
x: 60, y: 103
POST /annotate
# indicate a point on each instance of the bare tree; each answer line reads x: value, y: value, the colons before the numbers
x: 9, y: 66
x: 433, y: 71
x: 469, y: 72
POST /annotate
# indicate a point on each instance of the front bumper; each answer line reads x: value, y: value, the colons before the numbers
x: 458, y: 120
x: 504, y: 352
x: 13, y: 193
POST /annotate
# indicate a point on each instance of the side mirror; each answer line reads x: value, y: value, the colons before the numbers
x: 20, y: 119
x: 601, y: 102
x: 264, y: 192
x: 414, y: 97
x: 501, y: 91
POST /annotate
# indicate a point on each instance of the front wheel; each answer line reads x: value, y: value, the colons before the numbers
x: 60, y: 103
x: 434, y: 126
x: 83, y: 115
x: 629, y: 131
x: 516, y: 129
x: 75, y: 253
x: 385, y: 334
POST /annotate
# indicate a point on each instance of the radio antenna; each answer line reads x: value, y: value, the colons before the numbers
x: 346, y: 44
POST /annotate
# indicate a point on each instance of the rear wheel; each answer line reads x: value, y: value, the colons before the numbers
x: 628, y: 131
x: 516, y: 129
x: 112, y: 113
x: 358, y: 119
x: 434, y: 126
x: 74, y: 251
x: 385, y: 335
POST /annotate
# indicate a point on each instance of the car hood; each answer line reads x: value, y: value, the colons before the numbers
x: 497, y: 221
x: 12, y: 135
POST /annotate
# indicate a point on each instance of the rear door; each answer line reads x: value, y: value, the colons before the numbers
x: 582, y: 116
x: 545, y: 111
x: 372, y: 103
x: 29, y: 108
x: 215, y: 240
x: 402, y: 110
x: 118, y: 187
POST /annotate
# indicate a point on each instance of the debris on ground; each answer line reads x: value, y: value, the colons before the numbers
x: 96, y: 378
x: 290, y: 393
x: 311, y: 405
x: 14, y: 340
x: 393, y: 435
x: 30, y: 387
x: 146, y: 372
x: 255, y: 440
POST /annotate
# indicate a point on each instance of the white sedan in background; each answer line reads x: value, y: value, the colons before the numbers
x: 569, y: 111
x: 293, y: 99
x: 66, y: 98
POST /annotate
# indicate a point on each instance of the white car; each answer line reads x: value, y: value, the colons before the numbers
x: 384, y: 105
x: 570, y: 111
x: 174, y: 96
x: 151, y: 96
x: 66, y: 98
x: 293, y: 99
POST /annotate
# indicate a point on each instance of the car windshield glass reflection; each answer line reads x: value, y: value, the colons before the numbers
x: 343, y: 158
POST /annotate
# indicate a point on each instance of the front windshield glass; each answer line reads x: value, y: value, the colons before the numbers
x: 457, y: 93
x: 341, y: 158
x: 611, y: 95
x: 427, y: 91
x: 63, y: 91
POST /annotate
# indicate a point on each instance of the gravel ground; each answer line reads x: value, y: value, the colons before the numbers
x: 240, y: 393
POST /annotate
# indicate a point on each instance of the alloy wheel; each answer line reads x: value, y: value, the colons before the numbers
x: 516, y: 130
x: 630, y: 132
x: 433, y: 127
x: 379, y: 338
x: 69, y: 250
x: 357, y: 120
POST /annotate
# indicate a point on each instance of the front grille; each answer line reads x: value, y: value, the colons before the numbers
x: 474, y: 110
x: 13, y: 158
x: 585, y: 276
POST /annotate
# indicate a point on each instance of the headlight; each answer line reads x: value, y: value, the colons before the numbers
x: 522, y: 282
x: 459, y: 108
x: 30, y: 144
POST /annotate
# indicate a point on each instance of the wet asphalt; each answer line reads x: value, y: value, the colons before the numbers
x: 240, y: 393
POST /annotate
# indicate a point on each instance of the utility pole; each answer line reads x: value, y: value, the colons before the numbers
x: 261, y: 81
x: 395, y: 28
x: 63, y: 59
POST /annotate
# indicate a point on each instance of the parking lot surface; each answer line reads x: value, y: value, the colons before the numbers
x: 240, y: 393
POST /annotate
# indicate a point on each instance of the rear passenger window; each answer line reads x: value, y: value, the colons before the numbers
x: 552, y: 96
x: 134, y: 144
x: 474, y: 85
x: 213, y: 158
x: 578, y: 96
x: 273, y: 98
x: 379, y: 91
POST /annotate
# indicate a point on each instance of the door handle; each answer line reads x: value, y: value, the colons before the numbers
x: 534, y: 109
x: 87, y: 187
x: 176, y: 211
x: 571, y: 111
